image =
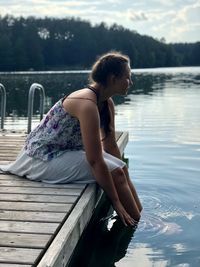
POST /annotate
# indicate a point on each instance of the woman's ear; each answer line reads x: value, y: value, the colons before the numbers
x: 111, y: 79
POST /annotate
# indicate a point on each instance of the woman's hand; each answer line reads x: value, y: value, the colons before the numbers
x: 124, y: 216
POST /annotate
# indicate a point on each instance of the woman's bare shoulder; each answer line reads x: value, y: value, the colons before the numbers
x: 80, y: 101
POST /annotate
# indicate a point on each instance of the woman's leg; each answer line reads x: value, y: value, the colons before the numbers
x: 125, y: 193
x: 132, y: 188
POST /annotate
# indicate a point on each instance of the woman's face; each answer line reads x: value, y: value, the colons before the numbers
x: 123, y: 82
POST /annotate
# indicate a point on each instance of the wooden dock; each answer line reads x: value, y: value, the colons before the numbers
x: 40, y: 224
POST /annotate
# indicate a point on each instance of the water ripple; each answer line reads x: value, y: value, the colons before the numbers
x: 154, y: 218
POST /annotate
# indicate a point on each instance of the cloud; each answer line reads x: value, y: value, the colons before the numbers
x: 186, y: 22
x: 179, y: 25
x: 188, y: 13
x: 172, y: 19
x: 114, y: 1
x: 137, y: 16
x: 42, y: 8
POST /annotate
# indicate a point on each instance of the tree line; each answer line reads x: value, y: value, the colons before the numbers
x: 70, y: 43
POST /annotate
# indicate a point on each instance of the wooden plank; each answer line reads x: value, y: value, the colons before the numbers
x: 38, y: 198
x: 8, y: 158
x: 13, y: 180
x: 26, y: 183
x: 40, y: 191
x: 31, y: 216
x: 11, y: 139
x: 12, y: 150
x: 9, y: 134
x: 10, y: 145
x: 65, y: 241
x: 8, y: 154
x: 4, y: 162
x: 23, y: 240
x: 31, y: 206
x: 18, y: 255
x: 4, y: 149
x: 122, y: 142
x: 14, y: 142
x: 14, y: 265
x: 28, y: 227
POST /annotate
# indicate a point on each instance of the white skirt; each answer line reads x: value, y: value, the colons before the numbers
x: 70, y: 167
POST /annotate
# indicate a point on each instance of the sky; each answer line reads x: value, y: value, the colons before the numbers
x: 175, y: 20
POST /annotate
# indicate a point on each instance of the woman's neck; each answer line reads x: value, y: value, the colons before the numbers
x: 103, y: 92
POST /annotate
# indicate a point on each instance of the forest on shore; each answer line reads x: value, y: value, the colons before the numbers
x: 70, y: 43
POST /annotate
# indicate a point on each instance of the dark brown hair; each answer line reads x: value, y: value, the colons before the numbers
x: 112, y: 63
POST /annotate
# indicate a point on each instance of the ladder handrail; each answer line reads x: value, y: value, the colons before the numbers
x: 3, y: 104
x: 32, y: 89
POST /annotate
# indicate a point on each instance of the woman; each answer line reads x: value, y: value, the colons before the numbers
x: 75, y: 142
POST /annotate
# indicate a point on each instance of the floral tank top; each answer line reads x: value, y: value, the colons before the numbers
x: 57, y: 133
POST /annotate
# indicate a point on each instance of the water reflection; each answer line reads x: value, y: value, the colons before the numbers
x: 57, y: 84
x: 106, y: 245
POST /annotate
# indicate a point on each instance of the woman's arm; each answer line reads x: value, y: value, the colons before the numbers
x: 88, y: 116
x: 110, y: 145
x: 109, y: 142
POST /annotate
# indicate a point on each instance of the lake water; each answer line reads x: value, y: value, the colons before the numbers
x: 162, y: 115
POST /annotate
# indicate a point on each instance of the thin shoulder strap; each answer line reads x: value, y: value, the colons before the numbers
x: 83, y: 98
x: 93, y: 90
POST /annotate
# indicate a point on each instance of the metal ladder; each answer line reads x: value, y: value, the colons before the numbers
x: 32, y: 89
